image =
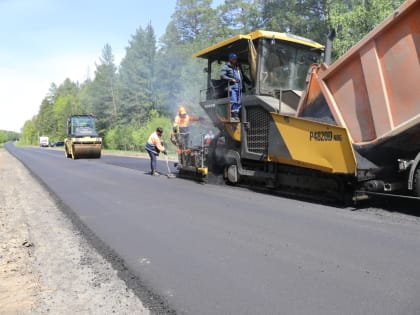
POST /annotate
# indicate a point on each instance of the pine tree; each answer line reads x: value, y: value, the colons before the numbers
x: 136, y: 76
x: 101, y: 97
x: 46, y: 122
x: 239, y: 17
x: 192, y: 19
x: 305, y: 18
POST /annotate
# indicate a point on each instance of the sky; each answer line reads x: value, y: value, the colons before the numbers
x: 46, y: 41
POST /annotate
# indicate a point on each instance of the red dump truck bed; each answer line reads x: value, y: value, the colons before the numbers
x: 374, y: 89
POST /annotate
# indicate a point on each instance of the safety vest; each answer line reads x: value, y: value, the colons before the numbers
x: 182, y: 121
x: 154, y: 144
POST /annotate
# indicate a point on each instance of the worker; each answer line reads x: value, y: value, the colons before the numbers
x: 208, y: 138
x: 154, y: 146
x: 181, y: 127
x: 232, y: 73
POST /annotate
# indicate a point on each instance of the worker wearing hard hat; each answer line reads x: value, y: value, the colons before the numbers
x: 181, y: 127
x: 182, y: 120
x: 233, y: 74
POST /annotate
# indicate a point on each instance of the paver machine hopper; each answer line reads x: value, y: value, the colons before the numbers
x: 373, y: 92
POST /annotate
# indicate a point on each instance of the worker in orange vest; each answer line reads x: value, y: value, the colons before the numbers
x: 154, y: 146
x: 181, y: 127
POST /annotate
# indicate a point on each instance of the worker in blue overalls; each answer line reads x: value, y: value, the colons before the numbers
x: 232, y: 73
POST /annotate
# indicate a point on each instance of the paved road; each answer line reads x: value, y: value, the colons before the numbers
x: 209, y: 249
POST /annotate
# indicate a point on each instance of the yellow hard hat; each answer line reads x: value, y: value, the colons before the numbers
x: 182, y: 110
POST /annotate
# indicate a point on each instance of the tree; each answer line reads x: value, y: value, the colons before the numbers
x: 29, y: 132
x: 192, y: 19
x: 52, y: 93
x: 179, y: 76
x: 100, y: 97
x: 300, y: 17
x: 8, y: 136
x: 3, y: 136
x: 353, y: 19
x: 67, y: 102
x: 136, y: 76
x: 46, y: 122
x: 140, y: 136
x: 239, y: 17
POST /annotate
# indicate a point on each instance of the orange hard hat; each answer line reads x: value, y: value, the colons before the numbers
x: 182, y: 110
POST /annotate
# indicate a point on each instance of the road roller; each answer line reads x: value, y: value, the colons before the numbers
x: 82, y: 139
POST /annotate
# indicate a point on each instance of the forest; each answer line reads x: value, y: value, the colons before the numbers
x: 131, y: 99
x: 8, y: 136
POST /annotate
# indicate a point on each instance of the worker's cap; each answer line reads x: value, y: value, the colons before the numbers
x: 233, y: 56
x: 159, y: 129
x: 182, y: 110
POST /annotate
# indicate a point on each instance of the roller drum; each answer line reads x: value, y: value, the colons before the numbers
x: 86, y: 151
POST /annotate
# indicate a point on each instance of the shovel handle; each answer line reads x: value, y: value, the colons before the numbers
x: 167, y: 164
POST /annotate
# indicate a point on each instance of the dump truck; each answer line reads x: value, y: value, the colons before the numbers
x: 345, y: 132
x: 372, y: 92
x: 82, y: 139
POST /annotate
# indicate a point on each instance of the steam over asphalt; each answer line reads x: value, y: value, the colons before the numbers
x: 208, y: 249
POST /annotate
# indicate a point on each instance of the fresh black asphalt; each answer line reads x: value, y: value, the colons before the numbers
x: 209, y: 249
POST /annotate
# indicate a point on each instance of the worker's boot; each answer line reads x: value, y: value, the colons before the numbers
x: 234, y: 116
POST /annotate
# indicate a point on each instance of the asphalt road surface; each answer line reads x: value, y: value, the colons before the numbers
x: 208, y: 249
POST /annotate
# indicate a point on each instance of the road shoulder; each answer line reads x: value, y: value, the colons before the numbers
x: 46, y: 266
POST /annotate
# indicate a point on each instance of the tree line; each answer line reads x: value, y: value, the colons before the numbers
x: 129, y: 100
x: 8, y: 136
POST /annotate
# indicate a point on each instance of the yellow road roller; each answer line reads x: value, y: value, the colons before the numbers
x: 82, y: 139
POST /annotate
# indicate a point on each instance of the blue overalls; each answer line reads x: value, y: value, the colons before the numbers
x: 235, y: 93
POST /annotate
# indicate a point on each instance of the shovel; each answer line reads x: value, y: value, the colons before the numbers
x: 169, y: 174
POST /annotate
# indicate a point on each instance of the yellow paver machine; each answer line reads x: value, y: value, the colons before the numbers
x: 343, y: 131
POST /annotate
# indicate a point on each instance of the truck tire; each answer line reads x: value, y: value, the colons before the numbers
x: 416, y: 189
x: 231, y: 175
